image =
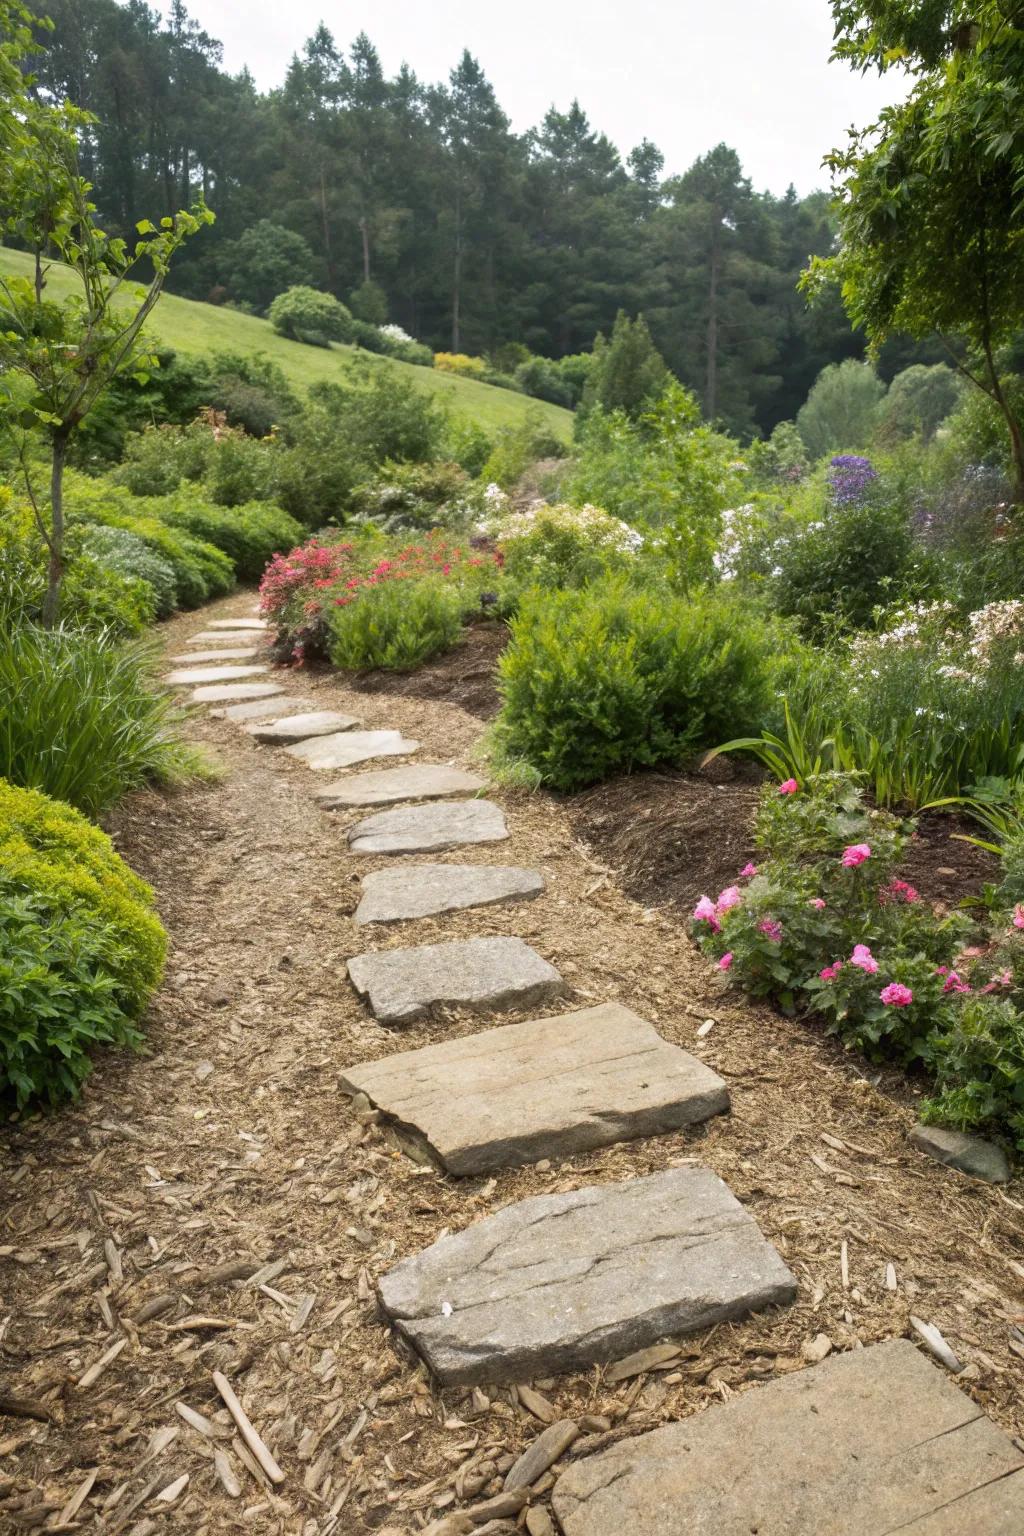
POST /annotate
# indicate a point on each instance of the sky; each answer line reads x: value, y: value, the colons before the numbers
x: 688, y: 74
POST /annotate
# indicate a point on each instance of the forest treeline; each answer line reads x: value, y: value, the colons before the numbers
x: 476, y: 236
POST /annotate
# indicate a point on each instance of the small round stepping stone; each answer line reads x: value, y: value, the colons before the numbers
x: 342, y: 749
x: 413, y: 781
x: 547, y: 1088
x: 239, y: 624
x: 262, y: 709
x: 419, y: 890
x: 322, y: 722
x: 229, y: 653
x: 211, y: 674
x: 565, y: 1281
x: 429, y: 828
x: 225, y: 637
x: 405, y: 984
x: 231, y: 693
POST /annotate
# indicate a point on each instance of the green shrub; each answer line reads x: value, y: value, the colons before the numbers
x: 157, y: 459
x: 397, y: 627
x: 562, y: 545
x: 306, y: 314
x: 517, y: 447
x: 609, y: 678
x: 81, y: 718
x: 541, y: 378
x: 115, y: 549
x: 414, y: 496
x: 81, y: 950
x: 248, y: 535
x: 95, y: 594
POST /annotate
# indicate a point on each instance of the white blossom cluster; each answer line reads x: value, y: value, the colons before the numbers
x: 590, y: 523
x: 395, y: 333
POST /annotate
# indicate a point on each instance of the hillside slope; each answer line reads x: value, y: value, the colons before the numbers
x: 193, y: 327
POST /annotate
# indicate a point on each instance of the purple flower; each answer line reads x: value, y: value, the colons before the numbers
x: 849, y: 476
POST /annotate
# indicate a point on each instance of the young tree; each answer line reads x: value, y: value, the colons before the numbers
x: 56, y: 359
x: 266, y: 260
x: 930, y: 201
x: 628, y: 372
x: 840, y: 412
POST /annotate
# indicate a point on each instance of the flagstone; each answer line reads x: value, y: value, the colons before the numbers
x: 226, y: 653
x: 405, y: 984
x: 238, y: 624
x: 226, y: 637
x: 412, y: 781
x: 321, y: 722
x: 875, y: 1440
x: 262, y: 709
x: 342, y: 749
x: 211, y: 674
x: 226, y: 693
x: 419, y: 890
x: 544, y: 1088
x: 566, y: 1281
x: 429, y: 828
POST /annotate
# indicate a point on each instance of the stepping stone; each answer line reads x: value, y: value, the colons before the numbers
x: 228, y: 653
x: 971, y: 1154
x: 546, y: 1088
x: 223, y: 637
x: 239, y: 624
x: 262, y: 709
x: 229, y: 693
x: 404, y: 984
x: 876, y: 1440
x: 343, y: 749
x: 416, y: 781
x: 322, y: 722
x: 418, y: 890
x: 429, y: 828
x: 561, y: 1282
x: 211, y: 674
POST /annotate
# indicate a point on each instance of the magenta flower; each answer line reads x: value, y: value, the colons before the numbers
x: 863, y: 959
x: 954, y: 982
x: 856, y: 854
x: 831, y: 971
x: 748, y: 871
x: 726, y: 961
x: 896, y: 995
x: 790, y: 787
x: 818, y: 903
x: 1018, y: 916
x: 898, y: 890
x: 771, y: 929
x: 704, y: 912
x: 730, y: 897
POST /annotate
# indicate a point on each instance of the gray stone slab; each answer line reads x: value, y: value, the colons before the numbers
x: 226, y: 674
x: 233, y: 693
x: 322, y: 722
x: 343, y: 749
x: 252, y: 623
x: 868, y: 1443
x: 419, y: 890
x: 970, y: 1154
x: 227, y: 653
x: 561, y: 1282
x: 263, y: 709
x: 226, y: 637
x: 429, y: 828
x: 546, y: 1088
x: 404, y: 984
x: 412, y: 781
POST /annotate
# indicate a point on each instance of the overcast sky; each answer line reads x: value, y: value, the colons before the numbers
x: 754, y: 73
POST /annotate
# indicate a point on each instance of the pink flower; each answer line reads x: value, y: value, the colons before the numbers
x: 704, y: 912
x: 898, y: 890
x: 955, y: 983
x: 855, y: 854
x: 1018, y: 916
x: 863, y: 959
x: 748, y: 871
x: 818, y: 903
x: 726, y: 961
x: 790, y: 787
x: 896, y: 995
x: 1004, y: 979
x: 831, y: 971
x: 771, y: 929
x: 730, y: 897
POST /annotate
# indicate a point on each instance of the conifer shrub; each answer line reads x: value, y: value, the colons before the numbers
x: 81, y: 949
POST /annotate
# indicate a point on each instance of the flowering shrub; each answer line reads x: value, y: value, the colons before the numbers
x: 560, y: 546
x: 823, y: 926
x: 460, y: 363
x: 849, y: 476
x: 410, y: 497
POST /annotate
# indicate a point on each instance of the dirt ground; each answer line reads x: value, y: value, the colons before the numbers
x: 216, y: 1204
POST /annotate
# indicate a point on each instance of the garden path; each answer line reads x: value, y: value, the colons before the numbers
x: 222, y: 1204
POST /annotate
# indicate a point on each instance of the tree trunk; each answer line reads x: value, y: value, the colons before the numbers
x: 457, y: 277
x: 328, y: 261
x: 364, y: 231
x: 55, y: 571
x: 711, y: 380
x: 1013, y: 426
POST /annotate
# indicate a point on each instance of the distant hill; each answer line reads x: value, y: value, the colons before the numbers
x: 189, y: 326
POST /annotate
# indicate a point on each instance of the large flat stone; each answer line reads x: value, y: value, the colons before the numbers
x: 263, y: 709
x: 226, y: 674
x: 404, y: 984
x: 343, y: 749
x: 971, y: 1154
x: 231, y: 693
x: 228, y: 653
x: 866, y: 1444
x: 226, y: 637
x: 419, y: 890
x: 546, y: 1088
x: 561, y: 1282
x: 412, y: 781
x: 429, y: 828
x: 239, y: 624
x: 322, y: 722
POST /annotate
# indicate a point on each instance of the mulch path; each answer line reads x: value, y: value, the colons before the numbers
x: 227, y: 1145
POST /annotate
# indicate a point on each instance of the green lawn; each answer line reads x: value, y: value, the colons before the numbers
x: 189, y: 326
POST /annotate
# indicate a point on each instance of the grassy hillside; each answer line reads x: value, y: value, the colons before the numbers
x: 192, y: 327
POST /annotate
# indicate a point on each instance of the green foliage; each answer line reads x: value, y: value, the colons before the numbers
x: 918, y: 402
x: 609, y: 678
x: 81, y: 950
x: 305, y: 314
x: 248, y: 535
x: 117, y: 550
x: 560, y: 546
x: 627, y: 372
x: 543, y: 379
x: 265, y: 261
x: 977, y: 427
x: 841, y: 412
x: 978, y: 1062
x: 83, y: 719
x: 396, y: 627
x: 516, y: 448
x: 369, y: 303
x: 96, y: 594
x: 414, y: 496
